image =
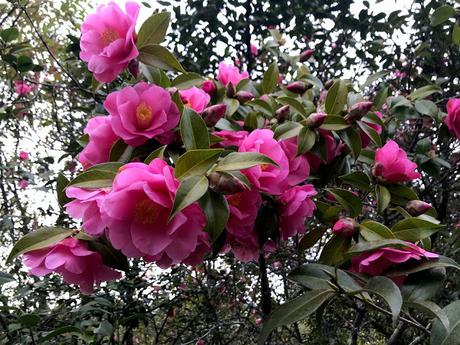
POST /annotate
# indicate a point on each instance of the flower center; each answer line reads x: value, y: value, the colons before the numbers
x: 264, y: 167
x: 108, y: 36
x: 143, y: 115
x: 235, y: 199
x: 145, y: 212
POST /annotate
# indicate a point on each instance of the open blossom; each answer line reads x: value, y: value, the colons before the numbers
x: 23, y: 155
x: 230, y: 74
x: 452, y: 119
x: 299, y: 168
x: 142, y: 112
x: 267, y: 177
x: 101, y: 139
x: 23, y: 184
x: 195, y: 98
x: 86, y: 207
x: 108, y: 40
x: 295, y: 206
x: 391, y: 164
x: 74, y: 261
x: 378, y: 262
x: 136, y: 213
x: 242, y: 236
x: 22, y: 88
x: 365, y: 139
x: 231, y: 138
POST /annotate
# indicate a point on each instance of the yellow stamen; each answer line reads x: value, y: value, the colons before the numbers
x: 145, y: 212
x: 143, y: 115
x: 108, y: 36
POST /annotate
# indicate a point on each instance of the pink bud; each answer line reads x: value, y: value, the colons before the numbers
x: 282, y: 113
x: 23, y: 184
x: 23, y: 155
x: 298, y: 87
x: 133, y: 68
x: 244, y: 96
x: 358, y: 110
x: 276, y: 265
x: 417, y: 207
x: 225, y: 183
x: 345, y: 227
x: 209, y: 86
x: 306, y: 54
x: 315, y: 120
x: 231, y: 90
x: 213, y: 114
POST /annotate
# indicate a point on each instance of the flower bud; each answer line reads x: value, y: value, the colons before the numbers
x: 133, y: 68
x: 231, y: 90
x: 377, y: 171
x: 328, y: 84
x: 298, y: 87
x: 417, y: 207
x: 225, y: 183
x: 244, y: 96
x: 358, y: 110
x: 345, y: 227
x: 306, y: 54
x: 209, y: 86
x: 315, y: 120
x: 213, y: 114
x: 282, y: 113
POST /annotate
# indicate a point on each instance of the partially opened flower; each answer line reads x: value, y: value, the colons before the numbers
x: 74, y: 261
x: 230, y: 74
x: 23, y: 184
x: 108, y: 41
x: 195, y: 98
x: 141, y: 112
x: 22, y: 88
x: 101, y: 139
x: 23, y: 155
x: 231, y: 138
x: 392, y: 165
x: 452, y: 119
x: 136, y: 213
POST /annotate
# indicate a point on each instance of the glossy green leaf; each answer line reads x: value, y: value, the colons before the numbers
x: 441, y: 15
x: 371, y: 133
x: 120, y: 152
x: 352, y: 139
x: 333, y: 252
x: 439, y: 334
x: 293, y: 103
x: 334, y: 123
x: 336, y: 98
x: 193, y: 131
x: 357, y: 179
x: 216, y: 210
x: 305, y: 140
x: 373, y: 231
x: 196, y: 162
x: 383, y: 197
x: 187, y: 80
x: 158, y: 153
x: 348, y: 200
x: 61, y: 183
x: 425, y: 91
x: 456, y: 34
x: 287, y: 130
x: 154, y: 55
x: 189, y: 191
x: 270, y: 79
x: 389, y: 291
x: 153, y: 30
x: 414, y: 229
x: 93, y: 179
x: 433, y: 310
x: 242, y: 160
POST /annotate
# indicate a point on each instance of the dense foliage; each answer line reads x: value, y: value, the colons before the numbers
x: 297, y: 202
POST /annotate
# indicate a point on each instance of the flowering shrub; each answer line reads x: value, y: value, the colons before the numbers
x: 181, y: 169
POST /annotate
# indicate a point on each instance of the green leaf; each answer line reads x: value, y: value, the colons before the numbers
x: 334, y: 251
x: 193, y: 130
x: 112, y: 167
x: 232, y: 105
x: 441, y: 336
x: 153, y: 30
x: 353, y: 140
x: 426, y: 107
x: 262, y: 106
x: 61, y: 183
x: 441, y: 15
x: 416, y: 266
x: 357, y: 179
x: 154, y: 55
x: 336, y: 98
x: 311, y: 238
x: 310, y: 78
x: 189, y: 191
x: 29, y: 320
x: 293, y: 104
x: 110, y: 256
x: 348, y: 200
x: 93, y: 179
x: 456, y: 34
x: 242, y: 160
x: 425, y: 91
x: 389, y: 291
x: 24, y: 63
x: 120, y: 152
x: 158, y: 153
x: 295, y: 310
x: 6, y: 278
x: 381, y: 97
x: 374, y: 77
x: 371, y: 133
x: 105, y: 329
x: 400, y: 194
x: 216, y: 210
x: 65, y: 330
x: 334, y: 123
x: 306, y: 140
x: 270, y: 79
x: 373, y: 231
x: 38, y: 239
x: 196, y: 162
x: 287, y: 130
x: 433, y: 310
x: 383, y: 197
x: 423, y: 285
x: 9, y: 34
x: 366, y: 246
x: 187, y: 80
x: 414, y: 229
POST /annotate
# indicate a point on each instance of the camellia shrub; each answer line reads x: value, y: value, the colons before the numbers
x: 178, y: 168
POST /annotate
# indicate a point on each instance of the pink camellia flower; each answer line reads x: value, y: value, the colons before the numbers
x: 345, y: 227
x: 108, y: 41
x: 195, y: 98
x: 22, y: 88
x: 299, y: 168
x: 268, y: 178
x: 242, y: 236
x: 230, y: 74
x: 254, y: 50
x: 142, y: 112
x: 136, y: 213
x: 452, y: 119
x: 231, y: 138
x: 209, y: 86
x: 86, y: 207
x: 23, y: 155
x: 391, y: 164
x: 23, y: 184
x: 295, y: 206
x: 377, y: 262
x: 101, y: 139
x: 365, y: 139
x: 74, y: 261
